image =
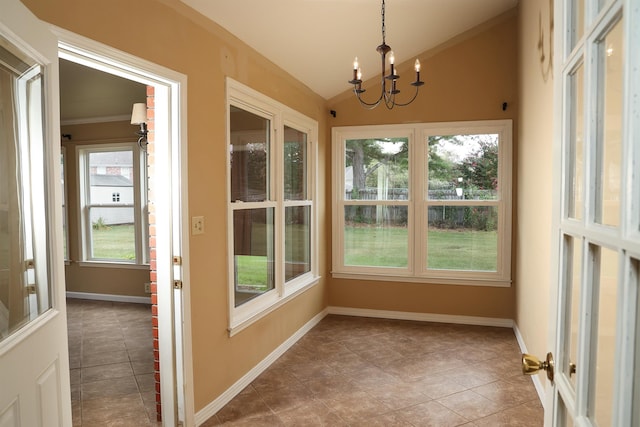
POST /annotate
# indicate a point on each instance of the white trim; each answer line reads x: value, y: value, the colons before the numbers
x: 210, y: 410
x: 89, y: 120
x: 535, y: 378
x: 423, y: 279
x: 109, y: 297
x: 422, y: 317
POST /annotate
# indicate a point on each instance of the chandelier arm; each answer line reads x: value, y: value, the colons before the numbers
x: 410, y: 101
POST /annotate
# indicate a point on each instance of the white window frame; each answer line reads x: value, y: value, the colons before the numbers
x: 418, y: 203
x: 140, y: 205
x: 65, y: 204
x: 241, y: 96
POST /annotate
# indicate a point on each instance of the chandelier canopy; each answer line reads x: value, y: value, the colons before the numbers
x: 388, y: 88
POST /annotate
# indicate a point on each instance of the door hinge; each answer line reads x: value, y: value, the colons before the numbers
x: 31, y: 289
x: 177, y: 260
x: 177, y: 284
x: 29, y: 263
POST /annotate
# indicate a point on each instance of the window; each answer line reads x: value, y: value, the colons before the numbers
x: 271, y: 204
x: 113, y: 204
x: 65, y: 217
x: 426, y: 202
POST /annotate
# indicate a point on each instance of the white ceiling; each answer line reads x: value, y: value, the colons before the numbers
x: 317, y: 40
x: 314, y: 40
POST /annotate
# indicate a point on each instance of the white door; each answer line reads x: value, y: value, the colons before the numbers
x: 34, y: 365
x: 596, y: 342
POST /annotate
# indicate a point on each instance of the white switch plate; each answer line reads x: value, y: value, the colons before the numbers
x: 197, y: 225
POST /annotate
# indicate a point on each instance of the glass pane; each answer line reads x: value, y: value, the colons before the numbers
x: 111, y: 177
x: 249, y: 148
x: 609, y: 172
x: 563, y: 414
x: 24, y: 245
x: 573, y: 271
x: 577, y: 21
x: 463, y: 167
x: 295, y: 164
x: 462, y: 238
x: 297, y: 244
x: 376, y: 169
x: 253, y: 253
x: 376, y: 236
x: 575, y: 178
x: 113, y: 234
x: 606, y: 336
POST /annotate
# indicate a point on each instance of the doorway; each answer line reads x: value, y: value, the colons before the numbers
x: 165, y: 92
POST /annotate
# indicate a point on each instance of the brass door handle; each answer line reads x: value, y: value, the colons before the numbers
x: 531, y: 365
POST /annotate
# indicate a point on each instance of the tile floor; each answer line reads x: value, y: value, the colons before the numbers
x: 111, y: 361
x: 350, y: 371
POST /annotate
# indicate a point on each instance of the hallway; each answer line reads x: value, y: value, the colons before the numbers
x: 350, y: 371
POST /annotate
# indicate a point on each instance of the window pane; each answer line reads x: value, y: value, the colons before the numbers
x: 297, y: 245
x: 634, y: 280
x: 250, y: 148
x: 463, y: 167
x: 376, y: 169
x: 575, y: 180
x: 376, y: 236
x: 253, y: 253
x: 609, y: 172
x: 65, y: 235
x: 606, y: 335
x: 573, y: 278
x: 295, y: 164
x: 113, y: 234
x: 577, y: 21
x: 462, y: 238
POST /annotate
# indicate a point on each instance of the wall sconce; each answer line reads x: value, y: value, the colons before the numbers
x: 139, y: 117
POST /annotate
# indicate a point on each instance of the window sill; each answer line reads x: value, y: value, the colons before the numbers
x: 239, y: 323
x: 106, y: 264
x: 458, y: 281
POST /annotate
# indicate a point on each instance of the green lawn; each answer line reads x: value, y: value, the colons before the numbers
x: 114, y: 242
x: 447, y: 249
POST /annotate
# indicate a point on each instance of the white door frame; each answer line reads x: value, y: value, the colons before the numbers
x: 174, y: 318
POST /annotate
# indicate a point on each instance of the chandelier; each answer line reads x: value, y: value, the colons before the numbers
x: 388, y: 89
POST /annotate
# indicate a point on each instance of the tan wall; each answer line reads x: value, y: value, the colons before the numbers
x: 468, y: 78
x: 168, y: 33
x: 101, y: 280
x: 534, y: 179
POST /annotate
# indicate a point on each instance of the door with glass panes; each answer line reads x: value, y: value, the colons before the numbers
x: 595, y: 345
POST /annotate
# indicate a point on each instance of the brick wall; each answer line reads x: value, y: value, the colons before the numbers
x: 152, y: 243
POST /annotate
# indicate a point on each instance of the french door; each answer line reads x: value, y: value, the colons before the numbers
x: 596, y: 342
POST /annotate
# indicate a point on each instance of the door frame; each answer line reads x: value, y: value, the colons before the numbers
x: 172, y: 231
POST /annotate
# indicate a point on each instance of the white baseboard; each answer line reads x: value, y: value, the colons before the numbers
x: 422, y: 317
x: 536, y: 380
x: 213, y: 407
x: 109, y: 297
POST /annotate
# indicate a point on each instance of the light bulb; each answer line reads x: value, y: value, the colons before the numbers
x: 355, y: 63
x: 359, y: 74
x: 417, y: 66
x: 392, y: 58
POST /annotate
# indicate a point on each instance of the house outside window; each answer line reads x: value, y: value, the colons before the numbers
x: 423, y: 202
x: 271, y: 179
x: 113, y: 205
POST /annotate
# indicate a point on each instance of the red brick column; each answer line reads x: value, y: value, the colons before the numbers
x: 152, y: 242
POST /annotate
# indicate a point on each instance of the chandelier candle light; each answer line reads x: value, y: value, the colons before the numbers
x: 388, y: 95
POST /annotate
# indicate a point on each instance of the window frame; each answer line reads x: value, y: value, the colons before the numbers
x: 280, y: 116
x: 139, y: 205
x: 418, y: 203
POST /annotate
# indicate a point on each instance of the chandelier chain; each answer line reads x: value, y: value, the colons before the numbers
x: 383, y: 26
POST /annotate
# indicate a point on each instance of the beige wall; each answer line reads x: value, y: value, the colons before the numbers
x: 170, y: 34
x: 466, y: 79
x: 535, y: 184
x: 114, y: 281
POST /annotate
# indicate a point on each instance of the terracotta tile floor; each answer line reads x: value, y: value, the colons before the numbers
x: 111, y: 361
x: 350, y: 371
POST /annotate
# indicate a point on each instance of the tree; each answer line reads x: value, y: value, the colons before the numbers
x: 480, y: 167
